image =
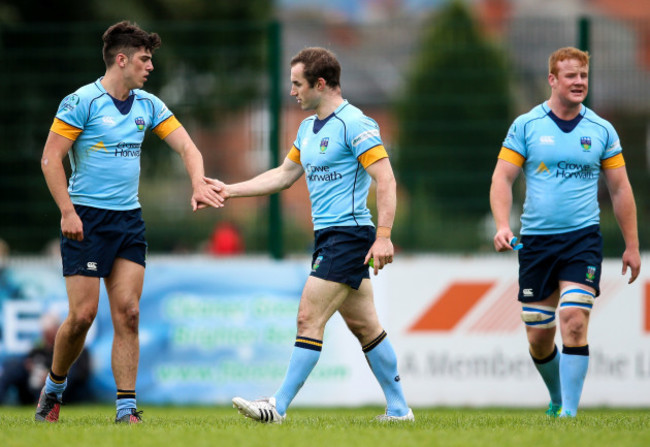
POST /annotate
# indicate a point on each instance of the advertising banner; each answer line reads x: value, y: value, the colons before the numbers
x: 212, y: 329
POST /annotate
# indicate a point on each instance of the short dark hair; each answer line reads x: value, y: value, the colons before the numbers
x: 126, y: 37
x: 319, y: 63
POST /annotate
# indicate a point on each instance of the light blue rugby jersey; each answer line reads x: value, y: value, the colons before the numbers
x: 561, y: 168
x: 105, y: 156
x: 338, y: 184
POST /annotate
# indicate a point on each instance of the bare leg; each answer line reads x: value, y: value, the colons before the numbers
x: 83, y: 298
x: 124, y: 287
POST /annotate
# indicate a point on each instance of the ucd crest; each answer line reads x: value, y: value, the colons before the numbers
x: 585, y: 142
x: 591, y: 273
x: 139, y: 121
x: 323, y: 144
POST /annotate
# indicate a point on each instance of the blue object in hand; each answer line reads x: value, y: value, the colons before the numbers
x: 514, y: 244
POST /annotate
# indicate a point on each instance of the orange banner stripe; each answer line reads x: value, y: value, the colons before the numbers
x: 448, y: 310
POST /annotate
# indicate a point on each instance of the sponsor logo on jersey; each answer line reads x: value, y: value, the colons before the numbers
x: 139, y: 122
x: 70, y: 102
x: 321, y: 173
x: 127, y: 150
x: 323, y: 144
x: 108, y: 120
x: 567, y: 169
x: 542, y: 168
x: 363, y: 136
x: 585, y: 142
x: 163, y: 111
x: 614, y: 146
x: 547, y: 140
x: 98, y: 147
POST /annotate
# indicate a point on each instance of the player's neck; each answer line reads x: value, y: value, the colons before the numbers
x: 328, y: 105
x: 115, y: 86
x: 564, y: 111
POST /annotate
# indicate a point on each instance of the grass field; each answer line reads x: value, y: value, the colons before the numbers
x: 93, y: 426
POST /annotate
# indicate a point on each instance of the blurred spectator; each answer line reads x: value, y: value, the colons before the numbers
x: 225, y: 240
x: 25, y: 375
x: 8, y: 287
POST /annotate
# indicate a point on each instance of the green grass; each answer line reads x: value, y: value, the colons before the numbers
x: 92, y: 426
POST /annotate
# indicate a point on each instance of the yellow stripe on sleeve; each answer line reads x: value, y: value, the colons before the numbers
x: 294, y: 155
x: 614, y: 162
x: 511, y: 156
x: 65, y: 130
x: 166, y: 127
x: 372, y: 155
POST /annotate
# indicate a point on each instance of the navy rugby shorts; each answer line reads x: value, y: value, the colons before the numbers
x: 108, y: 235
x: 576, y: 256
x: 339, y: 253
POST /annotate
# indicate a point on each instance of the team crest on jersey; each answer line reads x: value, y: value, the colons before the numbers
x: 323, y: 145
x: 585, y: 142
x: 139, y: 121
x: 591, y: 273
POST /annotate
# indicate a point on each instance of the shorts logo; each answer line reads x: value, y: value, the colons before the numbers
x: 92, y: 266
x: 323, y: 145
x: 591, y: 273
x: 316, y: 263
x: 139, y: 122
x: 396, y: 379
x: 528, y: 293
x: 585, y: 142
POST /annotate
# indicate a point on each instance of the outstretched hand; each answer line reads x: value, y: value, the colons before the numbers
x: 208, y: 194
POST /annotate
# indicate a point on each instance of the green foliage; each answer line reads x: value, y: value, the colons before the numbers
x: 209, y: 426
x: 452, y: 120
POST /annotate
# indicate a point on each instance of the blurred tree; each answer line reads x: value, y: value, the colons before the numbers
x: 452, y: 120
x: 212, y: 59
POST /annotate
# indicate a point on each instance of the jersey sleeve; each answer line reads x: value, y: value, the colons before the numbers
x: 71, y: 117
x: 160, y: 115
x: 363, y: 135
x: 294, y: 155
x: 516, y: 139
x: 613, y: 143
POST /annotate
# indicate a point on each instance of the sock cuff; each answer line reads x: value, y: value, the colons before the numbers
x: 57, y: 379
x: 545, y: 359
x: 370, y: 346
x: 309, y: 343
x: 576, y: 350
x: 125, y: 394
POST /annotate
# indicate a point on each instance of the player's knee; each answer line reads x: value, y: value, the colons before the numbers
x: 576, y: 297
x: 536, y: 316
x: 80, y: 321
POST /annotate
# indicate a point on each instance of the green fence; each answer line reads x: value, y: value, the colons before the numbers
x: 228, y: 84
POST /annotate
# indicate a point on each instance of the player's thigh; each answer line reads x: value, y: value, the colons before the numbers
x: 83, y: 295
x: 124, y: 285
x: 360, y: 314
x: 321, y: 298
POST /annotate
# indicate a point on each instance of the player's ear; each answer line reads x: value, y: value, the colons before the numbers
x: 121, y: 59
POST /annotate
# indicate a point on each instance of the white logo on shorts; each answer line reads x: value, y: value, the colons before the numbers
x: 92, y: 266
x: 528, y: 292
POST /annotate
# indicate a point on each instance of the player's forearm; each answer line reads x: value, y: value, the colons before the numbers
x: 501, y: 203
x: 625, y: 212
x: 57, y: 183
x: 193, y: 161
x: 386, y: 202
x: 268, y: 182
